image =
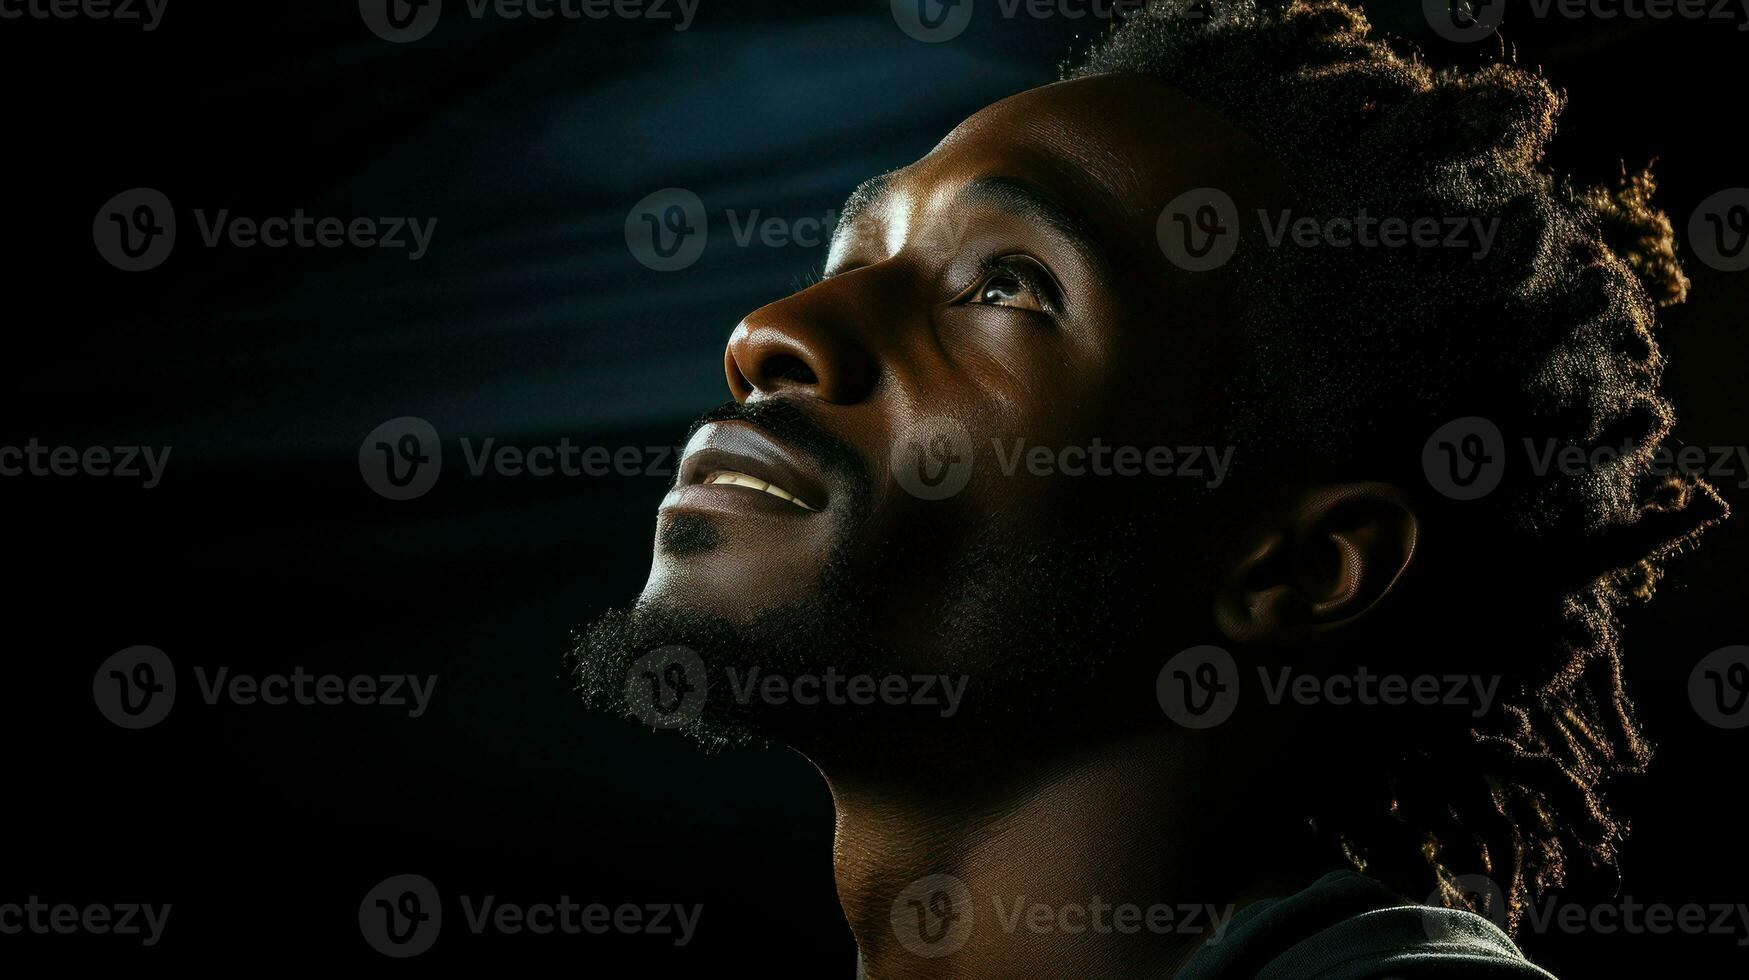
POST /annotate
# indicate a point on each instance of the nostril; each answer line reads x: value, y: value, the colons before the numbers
x: 788, y: 367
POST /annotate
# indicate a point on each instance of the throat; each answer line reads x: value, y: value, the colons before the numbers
x: 985, y: 860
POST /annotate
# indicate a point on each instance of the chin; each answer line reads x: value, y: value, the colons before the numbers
x: 735, y: 569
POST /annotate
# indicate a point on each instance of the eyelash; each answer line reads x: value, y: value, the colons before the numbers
x: 1021, y: 268
x: 1024, y: 271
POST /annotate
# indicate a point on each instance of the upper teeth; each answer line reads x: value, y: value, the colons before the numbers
x: 743, y: 480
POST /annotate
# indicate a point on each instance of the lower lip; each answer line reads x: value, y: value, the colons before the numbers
x: 731, y: 499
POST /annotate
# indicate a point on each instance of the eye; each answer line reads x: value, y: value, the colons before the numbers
x: 1015, y: 281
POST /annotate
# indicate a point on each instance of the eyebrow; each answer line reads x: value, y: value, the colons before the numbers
x: 863, y: 197
x: 997, y: 192
x: 1024, y: 200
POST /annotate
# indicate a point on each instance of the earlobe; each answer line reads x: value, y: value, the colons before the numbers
x: 1339, y: 552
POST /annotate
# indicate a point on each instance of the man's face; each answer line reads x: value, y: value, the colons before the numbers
x: 1004, y: 293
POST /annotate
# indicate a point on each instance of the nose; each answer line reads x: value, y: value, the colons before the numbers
x: 804, y: 343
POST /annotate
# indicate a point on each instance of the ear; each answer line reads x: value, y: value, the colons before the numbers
x: 1341, y: 549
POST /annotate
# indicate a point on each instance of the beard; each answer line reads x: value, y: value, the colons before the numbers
x: 1025, y: 630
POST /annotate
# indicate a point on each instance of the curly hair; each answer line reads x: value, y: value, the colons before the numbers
x: 1356, y: 356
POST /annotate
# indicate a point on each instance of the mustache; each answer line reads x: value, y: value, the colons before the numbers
x: 788, y: 423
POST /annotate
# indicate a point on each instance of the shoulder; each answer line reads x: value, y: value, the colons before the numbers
x: 1348, y: 927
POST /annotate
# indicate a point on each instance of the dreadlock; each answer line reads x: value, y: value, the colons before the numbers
x: 1548, y: 335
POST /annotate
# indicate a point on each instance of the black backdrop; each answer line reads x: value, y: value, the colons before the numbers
x: 530, y: 320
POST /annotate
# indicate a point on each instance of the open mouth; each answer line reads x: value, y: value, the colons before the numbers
x: 733, y: 478
x: 743, y: 465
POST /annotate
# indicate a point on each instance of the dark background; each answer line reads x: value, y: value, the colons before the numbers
x: 530, y: 320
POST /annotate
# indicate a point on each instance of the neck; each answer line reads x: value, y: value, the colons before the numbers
x: 1087, y: 861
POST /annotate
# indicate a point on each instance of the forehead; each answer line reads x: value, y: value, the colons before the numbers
x: 1116, y: 148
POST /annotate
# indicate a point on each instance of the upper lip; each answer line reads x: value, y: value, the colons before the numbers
x: 740, y: 447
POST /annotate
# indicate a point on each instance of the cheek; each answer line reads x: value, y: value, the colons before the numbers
x: 1009, y: 363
